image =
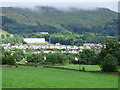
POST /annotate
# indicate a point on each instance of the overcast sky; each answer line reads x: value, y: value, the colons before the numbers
x: 84, y: 4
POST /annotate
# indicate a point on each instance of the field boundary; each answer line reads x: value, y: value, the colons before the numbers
x: 11, y: 66
x: 115, y: 73
x: 27, y: 64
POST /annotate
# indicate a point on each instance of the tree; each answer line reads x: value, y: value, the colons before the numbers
x: 13, y: 40
x: 7, y: 35
x: 56, y: 58
x: 25, y: 42
x: 6, y: 53
x: 2, y: 36
x: 88, y: 56
x: 10, y: 60
x: 111, y: 47
x: 4, y: 60
x: 35, y: 58
x: 51, y: 57
x: 2, y: 49
x: 18, y: 54
x: 109, y: 64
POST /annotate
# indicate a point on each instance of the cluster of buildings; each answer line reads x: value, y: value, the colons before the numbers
x: 56, y: 51
x: 34, y: 40
x: 46, y: 48
x: 92, y: 44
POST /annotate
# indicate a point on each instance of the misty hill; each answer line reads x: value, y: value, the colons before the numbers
x: 69, y: 27
x: 20, y: 21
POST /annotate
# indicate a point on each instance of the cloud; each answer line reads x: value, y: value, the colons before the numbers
x: 59, y: 0
x: 64, y: 5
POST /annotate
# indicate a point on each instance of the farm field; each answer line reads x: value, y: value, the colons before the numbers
x: 32, y: 77
x: 87, y: 67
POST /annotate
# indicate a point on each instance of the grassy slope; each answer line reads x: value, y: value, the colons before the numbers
x: 87, y: 67
x: 56, y: 18
x: 32, y: 77
x: 4, y: 32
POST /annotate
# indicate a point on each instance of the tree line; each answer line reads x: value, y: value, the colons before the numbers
x: 67, y: 34
x: 108, y: 58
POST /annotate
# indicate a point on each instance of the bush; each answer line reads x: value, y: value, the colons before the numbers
x: 42, y: 62
x: 10, y: 60
x: 19, y: 54
x: 4, y: 59
x: 109, y: 64
x: 56, y: 58
x: 35, y: 58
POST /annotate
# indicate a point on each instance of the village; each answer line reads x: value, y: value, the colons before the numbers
x: 36, y: 45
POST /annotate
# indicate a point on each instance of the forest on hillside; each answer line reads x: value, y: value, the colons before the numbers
x: 68, y: 28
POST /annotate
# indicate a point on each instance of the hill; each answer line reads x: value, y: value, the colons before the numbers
x: 98, y: 25
x: 52, y: 16
x: 57, y: 18
x: 4, y: 32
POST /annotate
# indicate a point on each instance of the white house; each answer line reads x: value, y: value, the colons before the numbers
x: 34, y: 40
x: 44, y: 32
x: 5, y: 45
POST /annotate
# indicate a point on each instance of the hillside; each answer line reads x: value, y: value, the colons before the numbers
x: 52, y: 16
x: 75, y: 25
x: 56, y: 18
x: 4, y: 32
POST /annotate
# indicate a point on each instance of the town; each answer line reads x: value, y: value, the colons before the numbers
x: 37, y: 45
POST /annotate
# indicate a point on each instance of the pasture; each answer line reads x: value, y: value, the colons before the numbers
x: 87, y: 67
x: 32, y: 77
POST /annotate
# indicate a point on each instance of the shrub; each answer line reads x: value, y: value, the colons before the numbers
x: 42, y: 62
x: 109, y: 64
x: 56, y: 58
x: 4, y: 59
x: 10, y: 60
x: 34, y: 58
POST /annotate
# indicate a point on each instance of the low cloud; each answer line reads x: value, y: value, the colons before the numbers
x: 66, y: 6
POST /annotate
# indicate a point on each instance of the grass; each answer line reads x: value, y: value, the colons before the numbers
x: 32, y: 77
x: 4, y: 32
x: 87, y: 67
x: 98, y: 17
x: 20, y: 62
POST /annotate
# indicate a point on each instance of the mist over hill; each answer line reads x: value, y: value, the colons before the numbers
x: 53, y: 16
x: 97, y: 22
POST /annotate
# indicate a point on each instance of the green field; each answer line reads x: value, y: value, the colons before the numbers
x: 87, y: 67
x: 32, y: 77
